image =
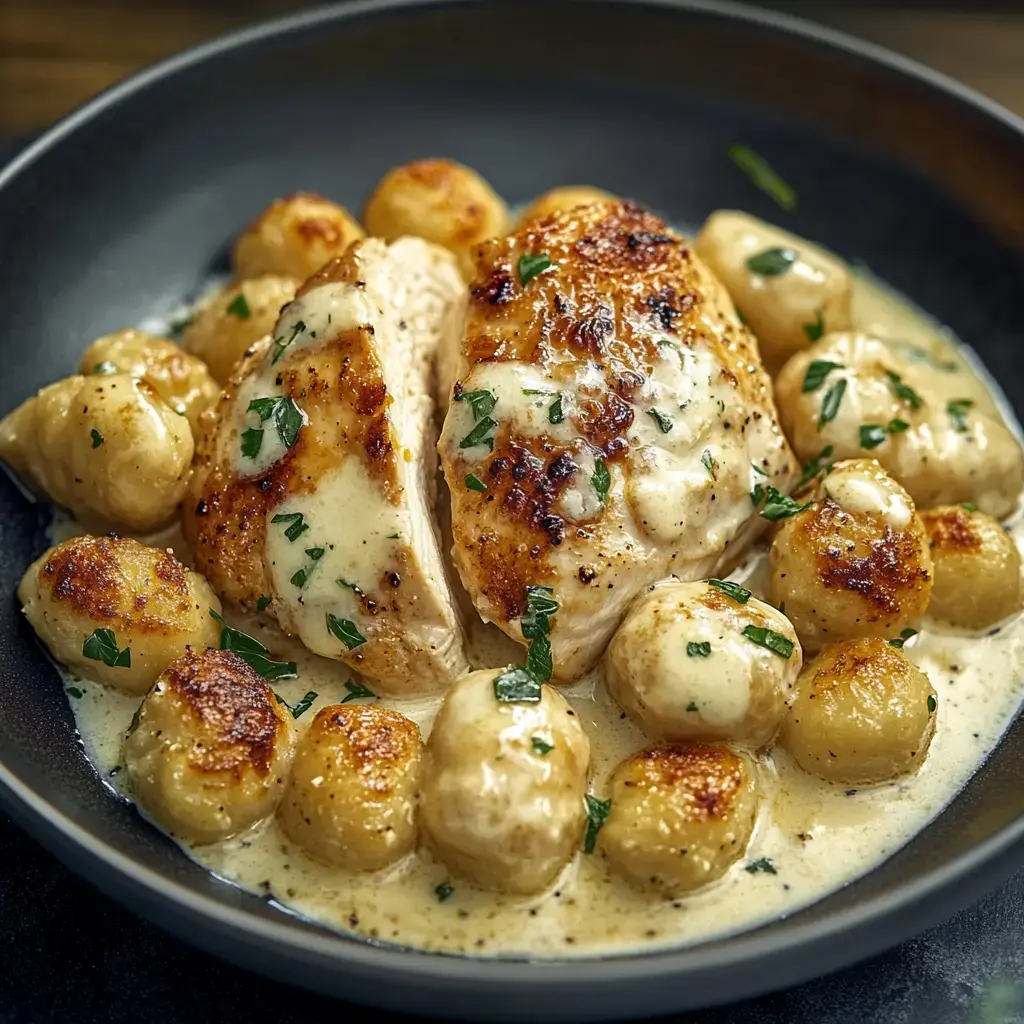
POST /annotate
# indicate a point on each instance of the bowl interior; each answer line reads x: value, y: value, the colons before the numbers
x: 125, y: 215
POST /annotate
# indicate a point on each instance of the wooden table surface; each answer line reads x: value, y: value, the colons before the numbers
x: 55, y: 54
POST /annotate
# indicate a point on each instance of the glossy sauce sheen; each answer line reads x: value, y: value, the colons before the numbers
x: 817, y: 837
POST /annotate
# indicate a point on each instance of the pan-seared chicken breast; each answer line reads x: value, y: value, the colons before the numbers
x: 313, y: 491
x: 609, y: 423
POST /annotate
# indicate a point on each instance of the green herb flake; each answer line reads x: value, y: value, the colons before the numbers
x: 601, y: 480
x: 597, y: 815
x: 772, y: 262
x: 544, y: 392
x: 298, y: 524
x: 540, y: 606
x: 710, y: 463
x: 957, y: 409
x: 555, y: 412
x: 872, y: 435
x: 763, y: 866
x: 830, y: 405
x: 932, y: 703
x: 178, y: 326
x: 780, y: 506
x: 532, y: 264
x: 904, y: 636
x: 75, y: 691
x: 252, y: 442
x: 101, y: 645
x: 345, y: 630
x: 97, y: 437
x: 904, y: 391
x: 730, y: 589
x: 356, y: 691
x: 692, y: 706
x: 287, y: 416
x: 816, y: 374
x: 480, y: 434
x: 482, y: 402
x: 538, y: 659
x: 517, y: 685
x: 540, y: 746
x: 105, y: 368
x: 815, y: 330
x: 698, y: 649
x: 301, y: 706
x: 897, y: 426
x: 474, y: 483
x: 761, y: 175
x: 664, y: 422
x: 281, y: 346
x: 443, y: 891
x: 969, y: 506
x: 251, y: 651
x: 239, y: 307
x: 263, y: 602
x: 774, y: 642
x: 816, y: 466
x: 354, y: 587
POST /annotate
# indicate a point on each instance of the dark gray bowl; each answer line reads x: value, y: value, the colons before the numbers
x: 122, y: 209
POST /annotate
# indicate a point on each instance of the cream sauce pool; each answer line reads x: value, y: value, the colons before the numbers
x: 816, y: 837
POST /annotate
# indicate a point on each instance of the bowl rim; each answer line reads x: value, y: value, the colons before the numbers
x: 891, y: 917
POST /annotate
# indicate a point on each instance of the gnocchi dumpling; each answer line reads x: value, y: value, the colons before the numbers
x: 224, y: 327
x: 855, y: 561
x: 90, y: 599
x: 504, y: 776
x: 680, y: 816
x: 106, y: 447
x: 565, y: 197
x: 691, y: 662
x: 863, y: 714
x: 789, y: 291
x: 351, y: 797
x: 210, y: 749
x: 977, y: 568
x: 854, y: 394
x: 180, y: 379
x: 441, y: 201
x: 294, y: 237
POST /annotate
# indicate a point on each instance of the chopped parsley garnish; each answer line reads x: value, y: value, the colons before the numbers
x: 443, y: 891
x: 772, y: 262
x: 239, y: 307
x: 354, y: 587
x: 775, y: 642
x: 815, y: 330
x: 532, y: 264
x: 830, y: 405
x: 698, y: 649
x: 538, y: 658
x: 601, y: 480
x: 480, y: 434
x: 897, y: 426
x: 692, y: 706
x: 287, y: 416
x: 816, y: 466
x: 555, y: 412
x: 482, y: 402
x: 904, y: 636
x: 517, y: 685
x: 298, y: 524
x: 301, y: 578
x: 97, y: 437
x: 262, y: 602
x: 730, y: 589
x: 969, y: 506
x: 901, y: 390
x: 178, y: 326
x: 816, y: 374
x: 75, y: 691
x: 763, y: 865
x: 251, y: 651
x: 252, y: 442
x: 535, y: 623
x: 280, y: 345
x: 541, y: 746
x: 104, y: 368
x: 345, y: 630
x: 710, y: 463
x: 101, y: 645
x: 474, y: 483
x: 873, y: 434
x: 546, y: 392
x: 932, y: 704
x: 356, y: 691
x: 664, y: 422
x: 957, y: 409
x: 300, y: 707
x: 597, y: 815
x: 756, y: 168
x: 780, y: 506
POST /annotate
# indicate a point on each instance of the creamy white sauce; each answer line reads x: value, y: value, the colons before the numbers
x: 818, y: 837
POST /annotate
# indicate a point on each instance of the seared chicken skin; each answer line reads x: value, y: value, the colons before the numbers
x: 313, y: 490
x: 609, y: 423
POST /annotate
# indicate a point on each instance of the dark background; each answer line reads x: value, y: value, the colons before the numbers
x: 69, y: 953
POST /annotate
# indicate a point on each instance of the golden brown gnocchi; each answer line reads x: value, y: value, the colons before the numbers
x: 680, y: 816
x: 441, y: 201
x: 563, y: 198
x: 106, y: 447
x: 863, y: 714
x: 788, y: 290
x: 224, y: 327
x: 855, y: 561
x: 690, y: 662
x: 351, y: 797
x: 977, y: 568
x: 180, y: 379
x: 501, y: 802
x: 294, y: 237
x: 210, y: 749
x: 154, y: 607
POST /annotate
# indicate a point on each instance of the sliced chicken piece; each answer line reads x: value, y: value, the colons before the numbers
x: 609, y: 424
x: 314, y: 490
